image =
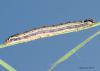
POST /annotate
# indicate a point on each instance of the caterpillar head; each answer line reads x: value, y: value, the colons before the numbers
x: 89, y: 20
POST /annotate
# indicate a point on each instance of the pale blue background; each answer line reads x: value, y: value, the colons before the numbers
x: 20, y: 15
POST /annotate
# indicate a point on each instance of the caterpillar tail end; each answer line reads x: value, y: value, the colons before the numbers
x: 3, y: 45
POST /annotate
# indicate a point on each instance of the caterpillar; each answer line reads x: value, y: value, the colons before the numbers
x: 47, y: 31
